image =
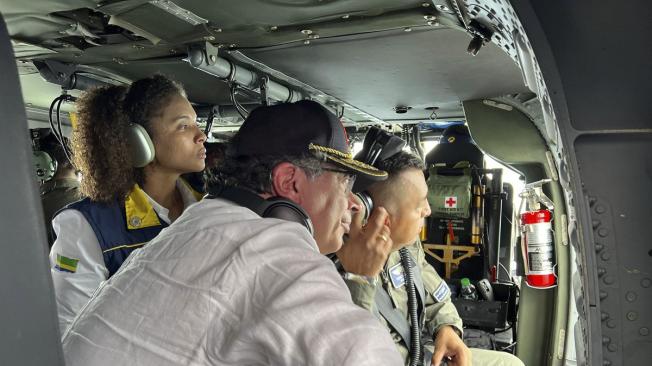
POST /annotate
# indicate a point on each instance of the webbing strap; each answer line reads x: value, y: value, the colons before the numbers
x: 385, y: 306
x: 421, y: 290
x: 393, y: 316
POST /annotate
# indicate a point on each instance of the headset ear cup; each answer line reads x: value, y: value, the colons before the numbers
x: 283, y: 209
x: 276, y: 207
x: 45, y: 167
x: 140, y: 144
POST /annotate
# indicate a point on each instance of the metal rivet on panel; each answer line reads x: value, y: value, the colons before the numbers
x: 592, y: 200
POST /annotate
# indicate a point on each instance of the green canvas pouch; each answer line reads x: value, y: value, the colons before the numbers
x: 449, y: 196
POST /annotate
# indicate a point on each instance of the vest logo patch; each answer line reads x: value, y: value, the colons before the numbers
x: 397, y: 276
x: 441, y: 292
x: 135, y: 221
x: 65, y: 264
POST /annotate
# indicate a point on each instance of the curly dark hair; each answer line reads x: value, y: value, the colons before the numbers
x: 99, y: 144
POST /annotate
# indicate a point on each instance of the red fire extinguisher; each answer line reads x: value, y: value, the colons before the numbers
x: 537, y: 237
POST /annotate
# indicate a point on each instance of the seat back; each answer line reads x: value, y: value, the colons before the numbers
x: 453, y: 236
x: 30, y: 332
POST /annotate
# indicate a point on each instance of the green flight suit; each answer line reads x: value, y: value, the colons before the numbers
x: 55, y: 195
x: 439, y: 309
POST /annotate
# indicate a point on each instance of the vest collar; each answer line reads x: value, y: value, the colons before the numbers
x: 139, y: 211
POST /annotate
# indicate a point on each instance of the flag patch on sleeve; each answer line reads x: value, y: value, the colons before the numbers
x: 65, y: 264
x: 441, y: 292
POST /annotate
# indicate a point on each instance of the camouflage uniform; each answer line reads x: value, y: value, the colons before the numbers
x: 55, y: 195
x: 437, y: 312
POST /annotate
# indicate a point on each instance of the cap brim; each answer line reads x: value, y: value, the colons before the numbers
x: 359, y: 168
x: 367, y: 172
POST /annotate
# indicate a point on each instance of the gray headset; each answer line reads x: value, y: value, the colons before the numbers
x: 378, y: 145
x: 45, y: 166
x: 140, y: 145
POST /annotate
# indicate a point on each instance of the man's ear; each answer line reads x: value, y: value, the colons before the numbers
x: 286, y: 181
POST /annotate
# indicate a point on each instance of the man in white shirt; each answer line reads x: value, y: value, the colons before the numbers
x: 240, y: 277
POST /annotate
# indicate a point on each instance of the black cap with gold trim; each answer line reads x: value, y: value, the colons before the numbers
x: 297, y: 128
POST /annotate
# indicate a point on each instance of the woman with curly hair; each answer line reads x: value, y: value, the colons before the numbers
x: 133, y: 185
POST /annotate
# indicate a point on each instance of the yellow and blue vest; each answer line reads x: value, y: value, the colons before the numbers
x: 122, y: 226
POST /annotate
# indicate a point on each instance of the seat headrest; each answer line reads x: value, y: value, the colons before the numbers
x: 456, y: 134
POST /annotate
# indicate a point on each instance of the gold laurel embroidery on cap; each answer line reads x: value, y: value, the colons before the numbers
x: 368, y: 169
x: 347, y: 159
x: 329, y: 150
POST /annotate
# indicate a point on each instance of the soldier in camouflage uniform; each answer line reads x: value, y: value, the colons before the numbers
x: 403, y: 197
x: 63, y: 188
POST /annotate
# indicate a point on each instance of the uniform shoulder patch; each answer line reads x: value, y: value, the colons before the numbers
x: 65, y: 264
x: 396, y: 275
x: 441, y: 292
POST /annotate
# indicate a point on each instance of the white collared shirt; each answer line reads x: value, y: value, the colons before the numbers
x: 223, y: 286
x: 76, y: 239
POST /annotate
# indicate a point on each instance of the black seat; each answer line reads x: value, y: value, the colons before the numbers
x: 455, y: 145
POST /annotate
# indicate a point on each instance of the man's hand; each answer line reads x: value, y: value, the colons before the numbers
x: 448, y: 344
x: 367, y: 248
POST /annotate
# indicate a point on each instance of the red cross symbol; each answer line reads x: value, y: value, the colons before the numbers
x: 451, y: 201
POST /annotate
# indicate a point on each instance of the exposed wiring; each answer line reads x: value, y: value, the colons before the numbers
x: 509, y: 275
x: 242, y: 111
x: 511, y: 345
x: 56, y: 130
x: 504, y: 329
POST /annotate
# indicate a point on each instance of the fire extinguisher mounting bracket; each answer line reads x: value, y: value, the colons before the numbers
x: 535, y: 197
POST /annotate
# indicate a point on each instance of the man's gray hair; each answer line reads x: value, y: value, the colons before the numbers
x: 255, y: 173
